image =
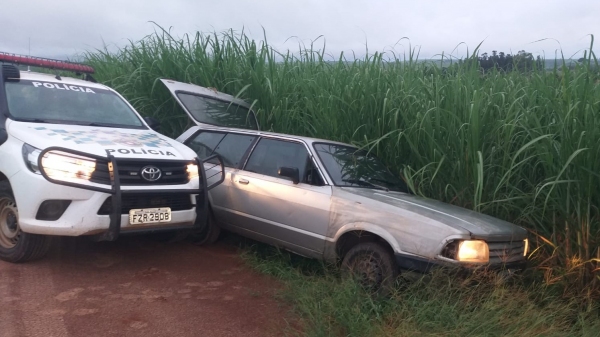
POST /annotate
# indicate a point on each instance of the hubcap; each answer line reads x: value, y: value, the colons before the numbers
x: 9, y: 223
x: 368, y: 271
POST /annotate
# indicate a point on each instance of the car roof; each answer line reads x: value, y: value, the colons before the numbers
x: 308, y: 140
x: 34, y: 76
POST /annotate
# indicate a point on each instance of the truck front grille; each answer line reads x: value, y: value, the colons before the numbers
x: 176, y: 201
x: 172, y: 172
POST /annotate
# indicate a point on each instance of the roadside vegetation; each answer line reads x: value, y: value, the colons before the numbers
x: 443, y: 303
x: 521, y: 145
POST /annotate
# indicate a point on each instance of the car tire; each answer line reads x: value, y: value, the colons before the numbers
x: 15, y: 245
x: 208, y: 235
x: 373, y: 266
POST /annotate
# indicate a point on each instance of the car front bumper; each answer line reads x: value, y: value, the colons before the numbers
x: 423, y: 265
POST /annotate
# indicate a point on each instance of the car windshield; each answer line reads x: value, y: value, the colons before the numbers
x: 216, y: 112
x: 349, y: 166
x: 62, y: 103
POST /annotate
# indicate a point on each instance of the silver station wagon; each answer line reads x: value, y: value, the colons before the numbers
x: 332, y: 201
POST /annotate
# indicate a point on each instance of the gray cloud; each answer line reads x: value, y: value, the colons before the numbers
x: 67, y: 27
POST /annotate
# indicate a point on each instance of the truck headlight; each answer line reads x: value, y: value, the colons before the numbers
x: 59, y: 165
x: 192, y: 171
x: 65, y: 166
x: 473, y: 251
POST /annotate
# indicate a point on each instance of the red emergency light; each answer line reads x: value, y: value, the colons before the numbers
x: 46, y: 63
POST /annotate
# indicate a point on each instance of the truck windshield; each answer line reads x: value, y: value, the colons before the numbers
x: 62, y: 103
x: 348, y: 166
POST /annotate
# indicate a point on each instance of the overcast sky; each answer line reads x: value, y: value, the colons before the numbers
x: 63, y: 28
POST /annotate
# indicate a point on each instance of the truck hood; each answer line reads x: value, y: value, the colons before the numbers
x: 478, y: 224
x: 101, y: 141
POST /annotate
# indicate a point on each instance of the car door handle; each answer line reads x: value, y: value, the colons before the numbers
x: 243, y: 181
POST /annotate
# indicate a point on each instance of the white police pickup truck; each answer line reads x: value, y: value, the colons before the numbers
x: 77, y: 159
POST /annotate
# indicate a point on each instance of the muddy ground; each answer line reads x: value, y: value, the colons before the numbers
x: 137, y: 286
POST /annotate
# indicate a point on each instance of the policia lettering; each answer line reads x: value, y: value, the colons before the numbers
x: 140, y: 151
x: 61, y: 86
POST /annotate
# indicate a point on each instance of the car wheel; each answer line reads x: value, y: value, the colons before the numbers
x: 16, y: 246
x: 372, y: 265
x: 209, y: 234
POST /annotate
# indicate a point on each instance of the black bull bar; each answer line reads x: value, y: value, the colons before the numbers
x: 116, y: 192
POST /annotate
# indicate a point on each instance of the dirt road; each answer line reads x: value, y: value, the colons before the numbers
x: 137, y: 287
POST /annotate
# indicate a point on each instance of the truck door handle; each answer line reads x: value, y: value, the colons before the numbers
x: 243, y: 181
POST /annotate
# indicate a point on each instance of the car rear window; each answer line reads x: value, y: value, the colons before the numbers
x: 215, y: 112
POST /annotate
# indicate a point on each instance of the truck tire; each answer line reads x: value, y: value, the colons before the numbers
x: 16, y: 246
x: 373, y: 266
x: 208, y: 235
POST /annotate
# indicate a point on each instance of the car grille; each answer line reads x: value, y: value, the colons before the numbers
x: 172, y: 172
x: 176, y: 201
x: 505, y: 252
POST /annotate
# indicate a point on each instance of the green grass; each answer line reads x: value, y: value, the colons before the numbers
x: 439, y: 304
x: 524, y: 147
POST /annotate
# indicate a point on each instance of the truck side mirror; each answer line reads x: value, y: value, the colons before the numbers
x: 290, y: 172
x: 9, y: 71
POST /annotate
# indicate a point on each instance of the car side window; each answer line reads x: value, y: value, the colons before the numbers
x: 271, y: 154
x: 205, y: 142
x: 230, y: 146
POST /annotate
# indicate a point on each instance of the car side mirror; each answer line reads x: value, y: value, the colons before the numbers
x: 153, y: 123
x: 290, y: 172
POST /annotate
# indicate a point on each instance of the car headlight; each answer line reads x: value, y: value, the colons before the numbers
x: 473, y: 251
x: 192, y: 171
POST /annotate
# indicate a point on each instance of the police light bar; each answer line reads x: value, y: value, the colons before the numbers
x: 45, y: 63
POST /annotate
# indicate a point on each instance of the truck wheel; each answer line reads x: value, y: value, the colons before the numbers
x: 16, y: 246
x: 372, y: 266
x: 208, y: 235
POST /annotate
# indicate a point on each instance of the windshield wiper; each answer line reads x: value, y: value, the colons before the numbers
x: 99, y: 124
x: 391, y: 183
x: 33, y: 120
x: 365, y: 184
x: 105, y: 125
x: 398, y: 186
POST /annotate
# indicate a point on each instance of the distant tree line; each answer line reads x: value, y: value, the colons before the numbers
x: 522, y: 61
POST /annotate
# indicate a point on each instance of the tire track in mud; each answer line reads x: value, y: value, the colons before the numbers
x: 10, y: 318
x: 24, y: 312
x: 138, y: 287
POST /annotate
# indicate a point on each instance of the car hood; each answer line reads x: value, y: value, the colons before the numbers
x: 101, y: 141
x: 478, y: 224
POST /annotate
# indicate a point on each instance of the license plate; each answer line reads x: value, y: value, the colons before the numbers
x: 149, y: 215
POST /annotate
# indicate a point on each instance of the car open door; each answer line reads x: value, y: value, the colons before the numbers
x: 210, y: 107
